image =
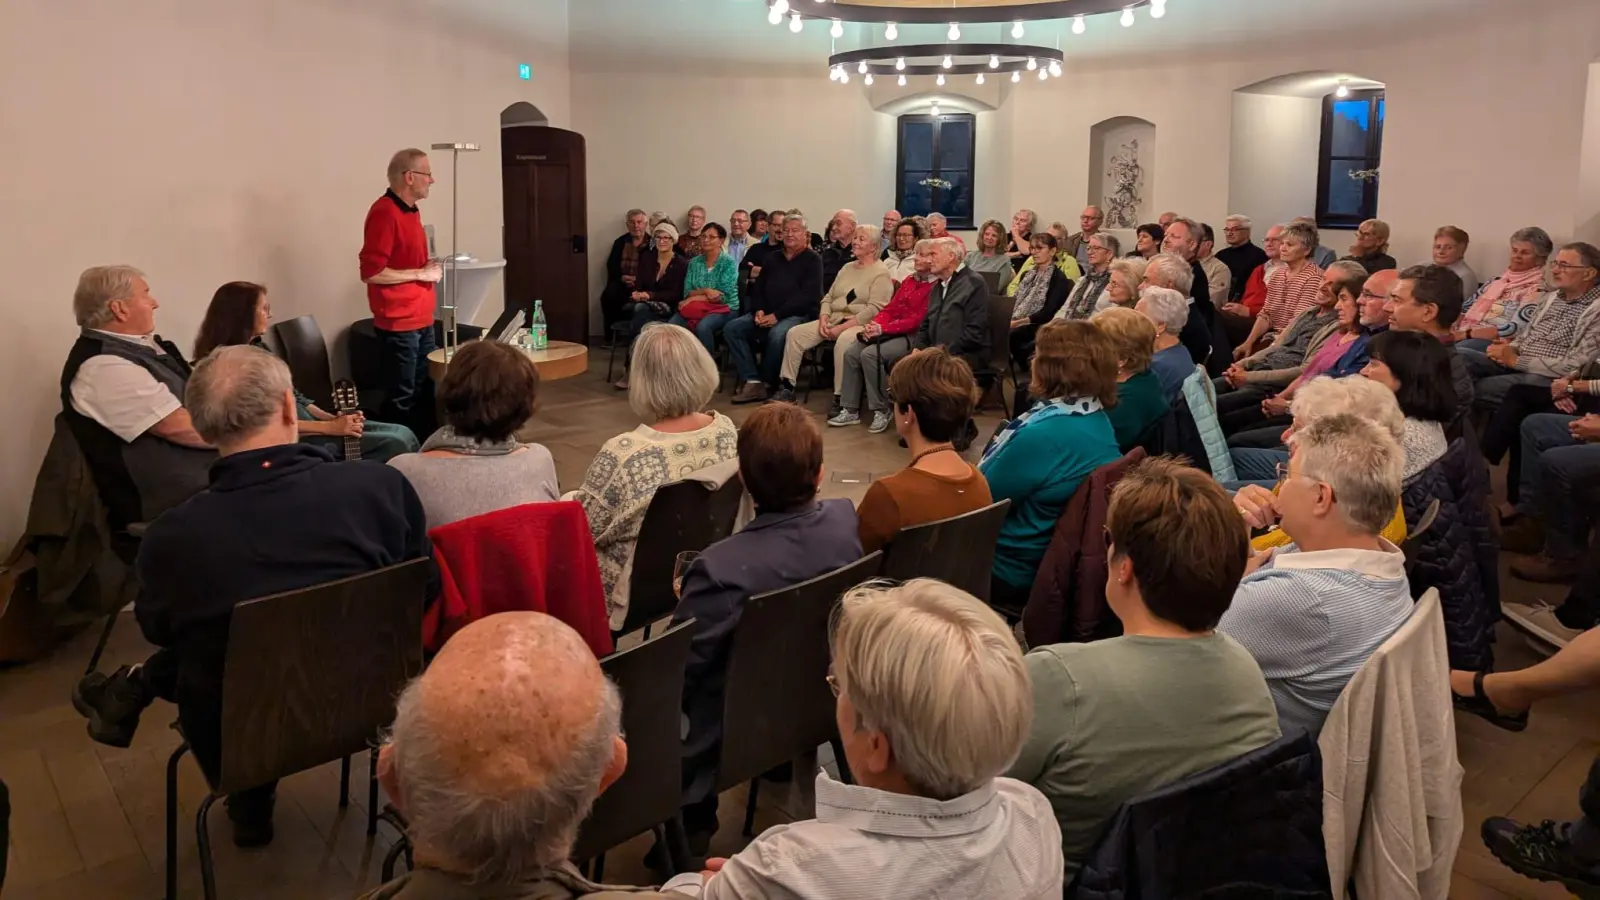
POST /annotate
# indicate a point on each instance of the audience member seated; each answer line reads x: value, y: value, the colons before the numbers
x: 710, y: 288
x: 1375, y: 302
x: 1066, y: 263
x: 1116, y: 718
x: 1041, y: 293
x: 839, y: 249
x: 758, y: 226
x: 901, y: 257
x: 1254, y: 378
x: 672, y: 382
x: 891, y: 220
x: 787, y: 294
x: 1141, y: 396
x: 658, y: 287
x: 1563, y: 332
x: 793, y: 538
x: 1428, y: 299
x: 1089, y: 295
x: 1501, y: 308
x: 474, y: 463
x: 1371, y: 246
x: 1321, y: 254
x: 739, y: 238
x: 1173, y: 272
x: 277, y: 518
x: 1148, y: 241
x: 860, y: 291
x: 1417, y: 368
x: 622, y: 267
x: 1293, y: 288
x: 689, y: 244
x: 1122, y: 285
x: 497, y: 754
x: 933, y: 398
x: 937, y: 226
x: 1024, y: 222
x: 1560, y: 457
x: 1089, y: 225
x: 881, y: 343
x: 1184, y: 238
x: 933, y: 704
x: 121, y: 392
x: 1255, y: 289
x: 1219, y: 279
x: 1313, y: 611
x: 238, y: 314
x: 1241, y: 256
x: 1449, y: 250
x: 957, y: 319
x: 755, y: 257
x: 1037, y: 459
x: 991, y: 254
x: 1168, y: 312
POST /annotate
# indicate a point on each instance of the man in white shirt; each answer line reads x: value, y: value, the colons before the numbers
x: 121, y: 393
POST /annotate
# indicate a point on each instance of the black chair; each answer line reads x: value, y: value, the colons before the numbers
x: 311, y: 676
x: 618, y: 338
x: 683, y: 515
x: 999, y: 308
x: 813, y: 360
x: 958, y: 550
x: 777, y: 704
x: 301, y: 345
x: 991, y: 280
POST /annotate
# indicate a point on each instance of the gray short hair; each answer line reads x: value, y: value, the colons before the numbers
x: 235, y: 391
x: 1326, y: 396
x: 1360, y: 460
x: 795, y: 215
x: 1589, y: 253
x: 1107, y: 241
x: 1133, y: 269
x: 1172, y: 271
x: 1195, y: 229
x: 939, y: 216
x: 940, y: 674
x: 872, y: 232
x: 1302, y: 232
x: 1166, y: 307
x: 97, y: 287
x: 948, y: 245
x: 401, y: 163
x: 671, y: 374
x: 635, y: 212
x: 1241, y: 221
x: 1537, y: 237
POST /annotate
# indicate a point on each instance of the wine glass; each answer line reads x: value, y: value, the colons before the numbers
x: 680, y: 565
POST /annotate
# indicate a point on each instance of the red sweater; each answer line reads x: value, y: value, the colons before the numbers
x: 393, y: 239
x: 1255, y: 291
x: 906, y: 309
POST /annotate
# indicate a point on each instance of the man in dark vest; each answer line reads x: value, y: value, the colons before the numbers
x: 279, y: 515
x: 121, y: 393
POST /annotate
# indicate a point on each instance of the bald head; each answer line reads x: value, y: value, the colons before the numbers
x: 1375, y: 298
x: 500, y: 748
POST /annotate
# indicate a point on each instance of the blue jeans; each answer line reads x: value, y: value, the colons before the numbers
x: 707, y: 330
x: 1554, y: 466
x: 1478, y: 344
x: 1252, y: 464
x: 403, y: 361
x: 1491, y: 380
x: 742, y: 335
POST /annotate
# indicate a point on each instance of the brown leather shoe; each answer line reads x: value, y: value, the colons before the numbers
x: 1545, y: 569
x: 1526, y: 535
x: 751, y: 392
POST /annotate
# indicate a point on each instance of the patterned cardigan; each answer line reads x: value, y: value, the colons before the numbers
x: 621, y: 482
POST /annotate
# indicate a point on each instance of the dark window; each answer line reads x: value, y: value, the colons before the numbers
x: 933, y: 172
x: 1352, y: 148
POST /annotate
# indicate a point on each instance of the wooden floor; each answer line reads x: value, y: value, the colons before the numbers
x: 87, y: 819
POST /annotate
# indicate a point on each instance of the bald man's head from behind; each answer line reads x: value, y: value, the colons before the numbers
x: 500, y: 748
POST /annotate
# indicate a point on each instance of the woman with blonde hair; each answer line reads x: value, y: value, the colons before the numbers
x: 991, y: 254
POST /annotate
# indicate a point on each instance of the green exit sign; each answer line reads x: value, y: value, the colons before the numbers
x: 525, y: 72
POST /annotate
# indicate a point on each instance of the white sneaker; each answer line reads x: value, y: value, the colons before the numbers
x: 880, y: 422
x: 845, y: 417
x: 1539, y: 620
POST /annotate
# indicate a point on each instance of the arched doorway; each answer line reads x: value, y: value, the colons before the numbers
x: 543, y: 179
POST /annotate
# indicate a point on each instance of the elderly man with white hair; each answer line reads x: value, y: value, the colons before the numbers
x: 1171, y: 362
x: 939, y: 227
x: 1241, y: 255
x: 1184, y: 238
x: 836, y: 248
x: 498, y: 752
x: 934, y: 705
x: 1312, y: 612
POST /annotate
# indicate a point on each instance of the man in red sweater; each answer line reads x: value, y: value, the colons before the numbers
x: 400, y: 281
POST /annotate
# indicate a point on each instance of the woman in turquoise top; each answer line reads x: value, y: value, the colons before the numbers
x: 710, y: 289
x: 1141, y: 400
x: 1039, y: 458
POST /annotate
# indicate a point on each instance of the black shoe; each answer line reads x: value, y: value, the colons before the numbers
x: 1542, y: 852
x: 784, y: 395
x: 251, y: 819
x: 1478, y: 704
x: 836, y: 408
x: 112, y: 705
x: 968, y: 434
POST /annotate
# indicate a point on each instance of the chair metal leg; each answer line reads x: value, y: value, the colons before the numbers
x: 100, y: 645
x: 344, y: 782
x: 750, y: 808
x: 673, y: 836
x: 208, y: 875
x: 611, y: 358
x: 372, y: 792
x: 172, y: 820
x: 401, y: 845
x: 840, y: 761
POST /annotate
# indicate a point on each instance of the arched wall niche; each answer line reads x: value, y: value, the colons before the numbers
x: 1122, y: 153
x: 522, y: 114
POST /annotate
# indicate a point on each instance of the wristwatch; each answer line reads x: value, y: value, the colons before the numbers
x: 1570, y: 391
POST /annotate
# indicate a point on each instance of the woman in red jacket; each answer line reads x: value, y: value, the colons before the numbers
x: 881, y: 343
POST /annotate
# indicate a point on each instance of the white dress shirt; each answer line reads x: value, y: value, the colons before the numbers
x: 121, y: 394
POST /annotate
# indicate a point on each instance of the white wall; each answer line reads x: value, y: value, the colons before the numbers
x: 207, y: 141
x: 1272, y: 171
x: 1587, y: 226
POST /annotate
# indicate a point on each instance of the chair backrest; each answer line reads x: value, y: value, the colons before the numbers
x: 650, y: 679
x: 301, y: 345
x: 1000, y: 308
x: 311, y: 676
x: 682, y: 515
x: 991, y: 280
x: 777, y: 704
x: 958, y: 550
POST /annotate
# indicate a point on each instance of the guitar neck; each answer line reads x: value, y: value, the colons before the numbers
x: 352, y: 448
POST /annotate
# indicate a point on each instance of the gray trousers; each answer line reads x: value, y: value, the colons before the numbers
x: 864, y: 365
x: 1493, y: 381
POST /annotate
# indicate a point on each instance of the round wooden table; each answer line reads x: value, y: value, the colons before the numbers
x: 562, y: 359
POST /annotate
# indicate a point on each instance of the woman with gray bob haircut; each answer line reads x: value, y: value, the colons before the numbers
x: 933, y: 705
x: 670, y: 383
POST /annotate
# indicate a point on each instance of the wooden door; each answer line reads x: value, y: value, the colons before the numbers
x: 546, y: 226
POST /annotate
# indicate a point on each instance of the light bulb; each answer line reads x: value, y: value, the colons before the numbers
x: 795, y: 24
x: 833, y: 74
x: 837, y: 31
x: 1032, y: 64
x: 1016, y: 77
x: 1016, y: 30
x: 1044, y: 74
x: 900, y: 64
x: 862, y: 68
x: 780, y: 6
x: 955, y: 32
x: 994, y: 62
x: 1127, y: 17
x: 940, y: 80
x: 1157, y: 10
x: 890, y: 32
x: 947, y: 61
x: 980, y: 78
x: 935, y: 109
x: 1343, y: 91
x: 844, y: 77
x: 1077, y: 25
x: 1055, y: 68
x: 773, y: 16
x: 902, y: 81
x: 867, y: 80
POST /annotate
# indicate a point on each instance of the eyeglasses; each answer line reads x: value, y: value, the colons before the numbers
x: 1369, y: 295
x: 1233, y: 228
x: 1560, y: 266
x: 419, y: 172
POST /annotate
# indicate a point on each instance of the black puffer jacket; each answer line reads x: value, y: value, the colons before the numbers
x: 1460, y: 554
x: 1251, y: 827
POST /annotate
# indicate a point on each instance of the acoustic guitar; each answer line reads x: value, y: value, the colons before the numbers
x: 346, y: 402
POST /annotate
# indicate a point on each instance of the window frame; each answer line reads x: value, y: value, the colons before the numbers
x: 1372, y: 159
x: 953, y: 223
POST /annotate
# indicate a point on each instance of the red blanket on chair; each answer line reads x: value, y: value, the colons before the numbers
x: 538, y: 556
